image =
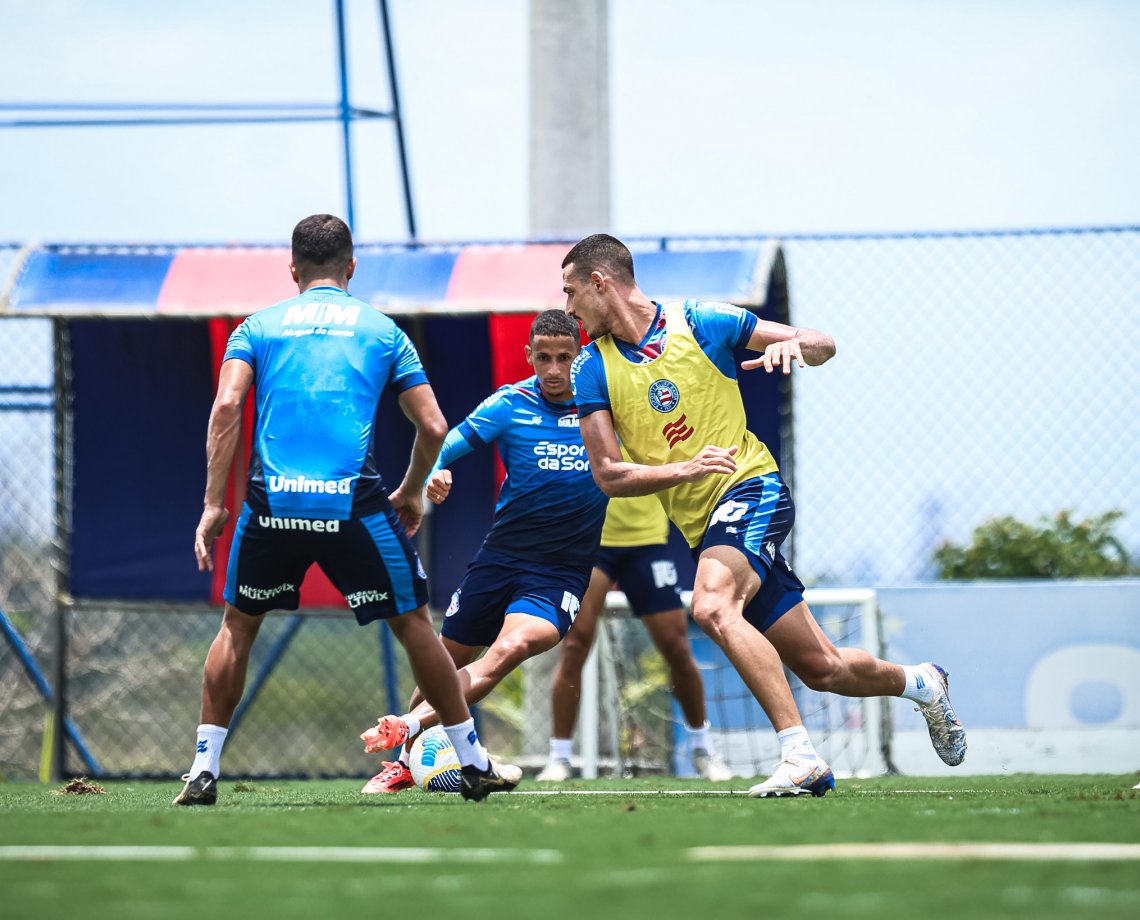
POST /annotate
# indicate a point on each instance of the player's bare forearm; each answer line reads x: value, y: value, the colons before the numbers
x: 221, y: 447
x: 425, y: 451
x: 420, y: 406
x: 784, y: 346
x: 621, y: 478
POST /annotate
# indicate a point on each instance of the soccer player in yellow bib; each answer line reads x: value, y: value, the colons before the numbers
x: 635, y: 555
x: 663, y: 380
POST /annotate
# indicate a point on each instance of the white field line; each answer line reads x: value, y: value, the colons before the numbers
x: 277, y: 854
x: 1051, y: 852
x: 740, y: 792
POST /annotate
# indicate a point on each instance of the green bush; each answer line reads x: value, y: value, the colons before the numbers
x: 1058, y: 548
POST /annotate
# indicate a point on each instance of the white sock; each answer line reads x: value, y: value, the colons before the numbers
x: 919, y: 688
x: 413, y: 724
x: 466, y: 743
x: 560, y: 748
x: 405, y: 756
x: 700, y: 738
x: 795, y: 742
x: 208, y: 753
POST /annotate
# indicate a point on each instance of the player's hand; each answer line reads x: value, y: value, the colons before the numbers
x: 409, y: 508
x: 438, y: 486
x: 214, y: 518
x: 777, y: 355
x: 712, y: 460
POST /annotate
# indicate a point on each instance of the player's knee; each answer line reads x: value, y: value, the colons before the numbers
x: 508, y: 653
x: 574, y: 650
x: 713, y: 617
x: 675, y: 650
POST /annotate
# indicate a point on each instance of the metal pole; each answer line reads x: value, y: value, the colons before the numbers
x: 345, y: 114
x: 394, y: 89
x: 61, y: 541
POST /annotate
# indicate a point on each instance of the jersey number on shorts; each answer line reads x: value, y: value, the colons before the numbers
x: 570, y: 604
x: 728, y: 512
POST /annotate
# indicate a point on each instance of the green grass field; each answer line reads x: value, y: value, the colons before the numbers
x: 630, y: 854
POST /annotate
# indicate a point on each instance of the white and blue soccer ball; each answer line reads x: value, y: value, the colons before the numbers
x: 434, y: 763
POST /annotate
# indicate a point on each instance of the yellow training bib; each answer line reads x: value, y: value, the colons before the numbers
x: 667, y: 410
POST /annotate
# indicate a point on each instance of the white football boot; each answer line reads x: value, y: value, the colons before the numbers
x: 795, y: 776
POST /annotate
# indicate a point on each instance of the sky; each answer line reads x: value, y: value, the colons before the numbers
x: 727, y: 117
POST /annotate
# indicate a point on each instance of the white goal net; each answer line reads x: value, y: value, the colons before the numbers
x: 629, y: 723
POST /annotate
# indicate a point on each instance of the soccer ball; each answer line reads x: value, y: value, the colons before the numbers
x: 434, y: 763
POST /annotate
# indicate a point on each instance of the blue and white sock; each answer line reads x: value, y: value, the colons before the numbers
x: 466, y: 743
x: 208, y: 753
x: 919, y: 688
x: 794, y: 742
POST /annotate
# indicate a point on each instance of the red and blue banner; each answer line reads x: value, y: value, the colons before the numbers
x: 148, y: 328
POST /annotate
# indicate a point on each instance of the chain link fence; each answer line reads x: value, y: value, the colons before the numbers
x: 977, y: 375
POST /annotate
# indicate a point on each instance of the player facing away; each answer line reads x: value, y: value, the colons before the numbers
x: 664, y: 378
x: 320, y: 363
x: 635, y: 555
x: 523, y: 589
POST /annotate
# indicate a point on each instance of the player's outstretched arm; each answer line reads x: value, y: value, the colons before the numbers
x: 618, y: 477
x: 782, y: 345
x: 222, y: 435
x: 419, y: 405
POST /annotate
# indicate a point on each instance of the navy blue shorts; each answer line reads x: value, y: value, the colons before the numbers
x: 756, y: 517
x: 646, y: 575
x: 496, y: 585
x: 370, y: 560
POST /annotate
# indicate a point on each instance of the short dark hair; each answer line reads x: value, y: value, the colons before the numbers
x: 601, y: 252
x: 554, y: 323
x: 322, y: 242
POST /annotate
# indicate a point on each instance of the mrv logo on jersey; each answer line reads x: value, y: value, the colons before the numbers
x: 279, y: 523
x: 321, y: 314
x: 317, y: 486
x: 554, y: 456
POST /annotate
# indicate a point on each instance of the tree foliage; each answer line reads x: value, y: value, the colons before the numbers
x: 1057, y: 547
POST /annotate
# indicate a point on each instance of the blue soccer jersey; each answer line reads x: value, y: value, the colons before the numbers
x: 718, y: 328
x: 549, y: 509
x: 321, y: 362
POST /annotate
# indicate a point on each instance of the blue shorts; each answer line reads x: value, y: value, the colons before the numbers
x: 646, y: 575
x: 756, y: 517
x: 369, y: 559
x: 496, y: 585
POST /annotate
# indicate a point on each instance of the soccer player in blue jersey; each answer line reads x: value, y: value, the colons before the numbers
x: 663, y: 380
x: 523, y: 589
x: 320, y: 363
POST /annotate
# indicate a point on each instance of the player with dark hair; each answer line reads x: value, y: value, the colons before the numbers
x: 634, y: 554
x: 320, y: 362
x: 663, y: 380
x: 522, y: 591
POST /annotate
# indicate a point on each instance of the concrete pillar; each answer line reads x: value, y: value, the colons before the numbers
x: 569, y: 118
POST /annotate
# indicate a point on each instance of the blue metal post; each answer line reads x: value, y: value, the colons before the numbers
x: 37, y: 677
x: 394, y: 89
x: 345, y: 114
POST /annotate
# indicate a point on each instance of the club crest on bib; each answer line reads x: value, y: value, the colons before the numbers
x: 664, y: 395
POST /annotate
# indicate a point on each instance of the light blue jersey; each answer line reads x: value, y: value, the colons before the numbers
x: 550, y: 510
x: 321, y: 362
